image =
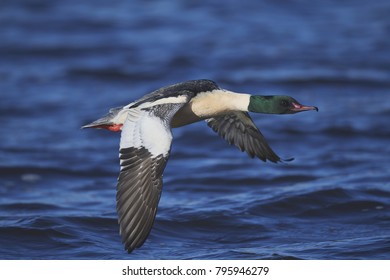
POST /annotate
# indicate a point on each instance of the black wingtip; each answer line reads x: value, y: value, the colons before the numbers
x: 129, y: 250
x: 287, y: 159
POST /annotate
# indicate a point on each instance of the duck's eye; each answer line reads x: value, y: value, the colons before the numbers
x: 284, y: 103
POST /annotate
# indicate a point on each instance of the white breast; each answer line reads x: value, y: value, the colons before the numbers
x: 218, y: 102
x: 211, y: 104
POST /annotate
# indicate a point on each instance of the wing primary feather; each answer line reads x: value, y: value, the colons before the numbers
x: 238, y: 129
x: 138, y: 194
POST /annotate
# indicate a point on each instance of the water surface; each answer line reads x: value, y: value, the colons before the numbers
x: 65, y: 63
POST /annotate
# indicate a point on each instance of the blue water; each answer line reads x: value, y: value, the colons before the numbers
x: 65, y: 63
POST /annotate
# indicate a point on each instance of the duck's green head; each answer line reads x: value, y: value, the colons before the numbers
x: 276, y: 104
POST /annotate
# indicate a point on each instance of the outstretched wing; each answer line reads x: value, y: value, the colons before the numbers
x: 144, y: 150
x: 238, y: 128
x: 138, y: 193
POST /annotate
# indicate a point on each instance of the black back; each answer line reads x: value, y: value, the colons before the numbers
x: 193, y: 87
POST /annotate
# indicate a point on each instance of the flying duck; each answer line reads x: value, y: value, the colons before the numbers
x: 146, y: 140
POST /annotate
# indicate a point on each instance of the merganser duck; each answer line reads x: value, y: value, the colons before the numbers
x: 146, y: 140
